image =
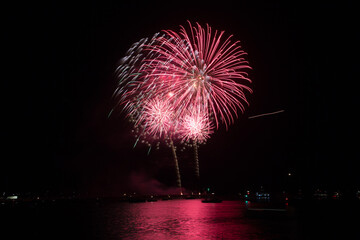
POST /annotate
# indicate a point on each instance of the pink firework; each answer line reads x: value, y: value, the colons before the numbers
x: 156, y: 117
x: 196, y: 127
x: 203, y: 72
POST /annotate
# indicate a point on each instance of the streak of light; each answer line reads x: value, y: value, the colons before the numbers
x: 266, y: 114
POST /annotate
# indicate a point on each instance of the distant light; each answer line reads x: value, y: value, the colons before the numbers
x: 289, y: 174
x: 12, y: 197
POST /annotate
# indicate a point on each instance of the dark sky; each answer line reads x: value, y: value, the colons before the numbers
x: 59, y: 79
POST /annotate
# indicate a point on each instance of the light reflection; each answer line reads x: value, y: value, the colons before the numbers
x: 184, y: 219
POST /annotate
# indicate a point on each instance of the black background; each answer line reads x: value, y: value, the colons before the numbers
x: 59, y: 60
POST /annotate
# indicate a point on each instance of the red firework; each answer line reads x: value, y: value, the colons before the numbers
x: 203, y: 72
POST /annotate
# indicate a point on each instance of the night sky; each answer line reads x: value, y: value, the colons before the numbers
x: 59, y: 80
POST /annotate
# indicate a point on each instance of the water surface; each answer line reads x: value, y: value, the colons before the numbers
x: 178, y: 219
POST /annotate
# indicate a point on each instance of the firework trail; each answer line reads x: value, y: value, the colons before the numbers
x: 178, y: 179
x: 196, y: 158
x: 266, y: 114
x: 196, y: 127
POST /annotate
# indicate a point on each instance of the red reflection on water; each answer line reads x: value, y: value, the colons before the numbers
x: 187, y: 219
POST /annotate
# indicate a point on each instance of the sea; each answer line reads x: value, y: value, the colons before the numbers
x: 179, y: 219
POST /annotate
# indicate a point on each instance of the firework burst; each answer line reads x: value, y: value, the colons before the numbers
x: 175, y: 84
x: 157, y: 117
x: 195, y: 126
x: 203, y: 72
